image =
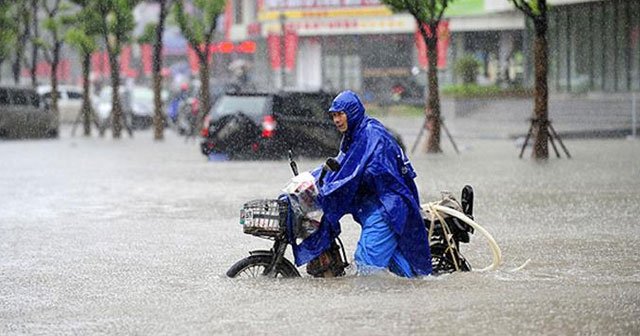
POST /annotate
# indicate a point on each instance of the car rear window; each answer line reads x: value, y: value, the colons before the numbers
x: 74, y: 95
x: 4, y: 97
x: 254, y: 106
x: 23, y: 97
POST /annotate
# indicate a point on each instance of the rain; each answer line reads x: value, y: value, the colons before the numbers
x: 135, y: 234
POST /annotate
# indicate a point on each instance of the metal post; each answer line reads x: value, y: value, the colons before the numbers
x: 634, y: 116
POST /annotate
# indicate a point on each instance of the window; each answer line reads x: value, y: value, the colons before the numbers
x: 74, y: 95
x: 312, y: 106
x: 332, y: 72
x: 249, y: 105
x: 20, y: 98
x: 4, y: 97
x: 352, y: 73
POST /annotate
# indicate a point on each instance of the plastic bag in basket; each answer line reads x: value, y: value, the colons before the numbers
x: 302, y: 193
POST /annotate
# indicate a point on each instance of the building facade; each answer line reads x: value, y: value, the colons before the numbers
x: 361, y: 45
x: 594, y: 46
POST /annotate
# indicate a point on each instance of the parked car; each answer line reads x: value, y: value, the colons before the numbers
x: 137, y: 105
x: 266, y: 125
x: 23, y: 114
x: 69, y: 100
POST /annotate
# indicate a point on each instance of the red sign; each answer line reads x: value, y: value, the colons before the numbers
x: 273, y: 44
x: 442, y: 46
x: 290, y: 4
x: 290, y: 50
x: 193, y: 60
x: 146, y: 51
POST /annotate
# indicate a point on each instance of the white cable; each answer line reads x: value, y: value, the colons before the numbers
x: 495, y: 250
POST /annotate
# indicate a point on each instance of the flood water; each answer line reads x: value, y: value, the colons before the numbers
x: 134, y: 237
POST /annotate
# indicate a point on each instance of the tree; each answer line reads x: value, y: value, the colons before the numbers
x: 35, y: 26
x: 536, y: 10
x: 8, y: 30
x: 153, y: 34
x: 83, y: 38
x: 56, y: 23
x: 428, y: 14
x: 199, y: 29
x: 116, y: 25
x: 23, y: 31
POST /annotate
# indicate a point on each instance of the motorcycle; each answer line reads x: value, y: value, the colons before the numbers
x: 295, y: 216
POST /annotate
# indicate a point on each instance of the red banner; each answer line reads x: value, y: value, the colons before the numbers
x: 43, y: 70
x: 125, y: 62
x: 193, y: 60
x: 273, y: 45
x: 106, y: 66
x: 290, y: 50
x: 146, y: 53
x: 442, y: 46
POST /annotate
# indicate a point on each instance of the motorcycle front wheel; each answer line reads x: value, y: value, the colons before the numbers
x: 254, y: 266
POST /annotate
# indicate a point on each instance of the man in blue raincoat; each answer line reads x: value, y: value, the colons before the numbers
x: 375, y: 185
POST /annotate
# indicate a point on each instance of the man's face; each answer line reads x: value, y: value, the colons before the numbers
x: 340, y: 120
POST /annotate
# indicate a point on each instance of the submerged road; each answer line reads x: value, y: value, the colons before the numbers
x: 134, y: 237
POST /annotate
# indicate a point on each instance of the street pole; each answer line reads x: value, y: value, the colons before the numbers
x: 634, y: 116
x: 282, y: 19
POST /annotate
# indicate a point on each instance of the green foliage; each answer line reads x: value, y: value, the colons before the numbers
x: 149, y: 34
x: 395, y: 110
x: 467, y: 68
x: 198, y: 27
x: 116, y: 18
x: 532, y: 8
x: 81, y: 41
x: 86, y: 25
x: 8, y: 28
x: 478, y: 91
x: 59, y: 17
x: 427, y: 11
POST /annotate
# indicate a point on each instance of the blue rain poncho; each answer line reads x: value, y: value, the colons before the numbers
x: 375, y: 175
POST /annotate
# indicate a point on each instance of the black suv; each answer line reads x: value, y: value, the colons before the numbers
x: 266, y: 125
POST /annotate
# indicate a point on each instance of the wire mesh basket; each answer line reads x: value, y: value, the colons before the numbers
x: 264, y: 217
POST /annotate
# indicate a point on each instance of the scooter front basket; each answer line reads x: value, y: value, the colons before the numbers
x: 265, y: 218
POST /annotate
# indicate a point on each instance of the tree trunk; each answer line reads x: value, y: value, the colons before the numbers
x: 204, y: 90
x: 116, y: 106
x: 433, y: 99
x: 54, y: 81
x: 158, y: 117
x: 16, y: 66
x: 86, y: 94
x: 541, y: 90
x: 34, y: 46
x: 22, y: 42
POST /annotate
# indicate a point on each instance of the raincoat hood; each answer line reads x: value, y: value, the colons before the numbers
x: 349, y: 103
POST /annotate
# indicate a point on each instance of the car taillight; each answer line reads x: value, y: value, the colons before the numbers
x: 204, y: 132
x: 268, y: 126
x: 195, y: 105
